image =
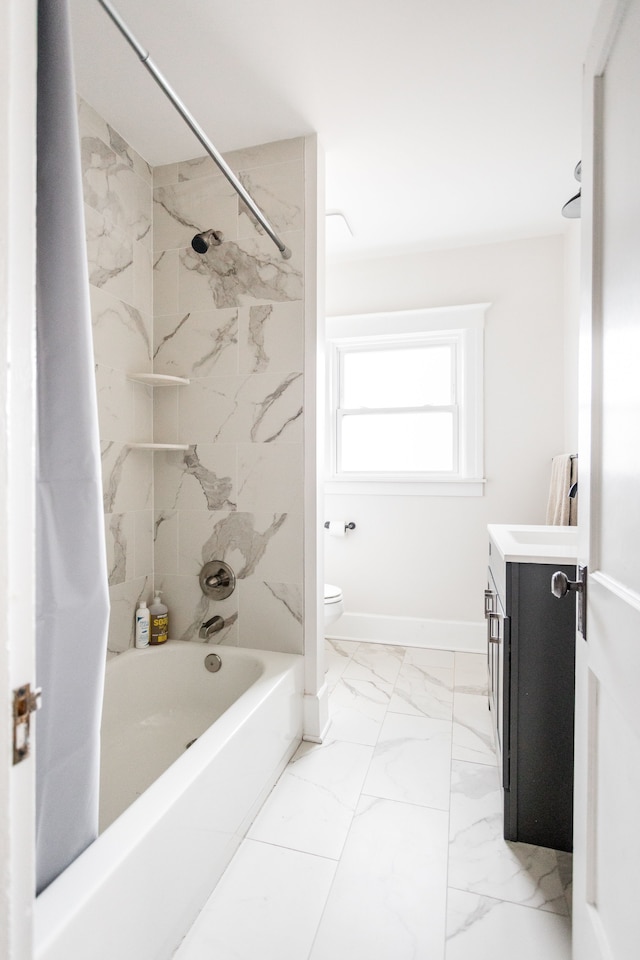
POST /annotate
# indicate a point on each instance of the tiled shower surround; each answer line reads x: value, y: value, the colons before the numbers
x: 232, y: 322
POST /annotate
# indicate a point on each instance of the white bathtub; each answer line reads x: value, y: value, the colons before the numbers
x: 138, y: 888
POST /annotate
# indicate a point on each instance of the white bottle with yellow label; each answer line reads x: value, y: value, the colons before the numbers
x: 159, y: 632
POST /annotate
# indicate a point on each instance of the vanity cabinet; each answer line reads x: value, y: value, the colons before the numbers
x: 531, y: 660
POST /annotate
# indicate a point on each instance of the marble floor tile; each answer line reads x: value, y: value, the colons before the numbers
x: 471, y: 673
x: 423, y: 691
x: 311, y: 807
x: 423, y: 657
x: 268, y: 904
x: 481, y: 928
x: 482, y: 861
x: 357, y: 709
x: 472, y: 730
x: 337, y: 655
x: 387, y: 901
x: 411, y: 761
x: 375, y: 661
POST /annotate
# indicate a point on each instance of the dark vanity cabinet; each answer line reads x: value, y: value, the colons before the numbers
x: 531, y: 659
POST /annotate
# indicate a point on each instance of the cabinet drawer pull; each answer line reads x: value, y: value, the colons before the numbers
x: 489, y: 602
x: 494, y: 635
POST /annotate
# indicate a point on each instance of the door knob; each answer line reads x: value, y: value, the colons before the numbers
x: 560, y: 587
x: 560, y: 584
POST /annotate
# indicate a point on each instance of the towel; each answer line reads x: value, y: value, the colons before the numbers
x: 562, y: 510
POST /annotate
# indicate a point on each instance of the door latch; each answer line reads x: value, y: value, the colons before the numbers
x: 25, y: 702
x: 561, y: 585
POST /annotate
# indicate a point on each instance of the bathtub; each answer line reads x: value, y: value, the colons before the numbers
x: 188, y: 758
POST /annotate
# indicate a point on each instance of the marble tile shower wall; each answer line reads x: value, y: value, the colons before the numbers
x: 232, y: 322
x: 117, y: 185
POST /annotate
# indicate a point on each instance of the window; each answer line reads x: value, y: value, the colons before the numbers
x: 405, y: 394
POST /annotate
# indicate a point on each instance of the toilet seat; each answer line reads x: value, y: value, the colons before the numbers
x: 332, y: 594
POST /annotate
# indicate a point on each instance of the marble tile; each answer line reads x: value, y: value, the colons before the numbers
x: 200, y: 478
x: 357, y: 709
x: 180, y: 210
x: 278, y: 190
x: 388, y: 899
x: 115, y: 404
x: 121, y: 333
x: 165, y: 283
x: 472, y: 731
x: 189, y: 608
x: 166, y: 402
x: 264, y: 546
x: 268, y: 905
x: 271, y: 337
x: 120, y: 544
x: 312, y: 805
x: 270, y: 616
x: 127, y: 478
x: 279, y: 151
x: 110, y: 256
x: 483, y: 928
x: 143, y: 532
x: 471, y: 673
x: 164, y: 174
x: 198, y: 344
x: 375, y: 661
x: 143, y: 277
x: 113, y: 188
x: 247, y: 409
x: 124, y: 598
x: 411, y: 761
x: 240, y: 273
x: 422, y: 657
x: 423, y: 692
x: 142, y: 412
x: 481, y: 861
x: 165, y: 542
x: 338, y: 655
x: 270, y: 476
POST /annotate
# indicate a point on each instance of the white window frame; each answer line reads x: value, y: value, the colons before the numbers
x: 464, y: 327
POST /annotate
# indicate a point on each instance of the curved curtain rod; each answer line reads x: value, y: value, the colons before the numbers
x: 194, y: 126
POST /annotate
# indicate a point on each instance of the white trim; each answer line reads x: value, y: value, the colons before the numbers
x: 473, y: 487
x: 314, y: 282
x: 463, y: 636
x: 316, y: 715
x: 465, y: 325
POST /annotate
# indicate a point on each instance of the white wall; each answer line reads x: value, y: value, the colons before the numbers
x: 425, y: 557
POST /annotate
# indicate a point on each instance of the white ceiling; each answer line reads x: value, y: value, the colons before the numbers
x: 444, y: 122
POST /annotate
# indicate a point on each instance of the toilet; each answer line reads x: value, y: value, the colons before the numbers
x: 333, y: 604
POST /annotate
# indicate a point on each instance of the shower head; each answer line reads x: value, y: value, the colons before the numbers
x: 572, y: 208
x: 208, y: 238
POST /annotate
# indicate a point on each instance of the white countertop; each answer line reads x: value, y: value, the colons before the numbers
x: 521, y: 543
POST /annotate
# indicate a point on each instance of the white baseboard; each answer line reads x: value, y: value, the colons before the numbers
x: 460, y: 635
x: 316, y: 715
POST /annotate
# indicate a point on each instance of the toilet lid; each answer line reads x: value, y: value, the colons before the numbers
x: 332, y: 593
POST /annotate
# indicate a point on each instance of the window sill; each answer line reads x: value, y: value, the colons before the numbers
x: 407, y: 488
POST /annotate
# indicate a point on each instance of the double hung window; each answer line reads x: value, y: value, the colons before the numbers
x: 406, y: 401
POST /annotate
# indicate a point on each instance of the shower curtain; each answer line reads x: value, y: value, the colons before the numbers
x: 72, y: 605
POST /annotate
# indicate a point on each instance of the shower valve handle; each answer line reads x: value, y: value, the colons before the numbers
x: 217, y: 580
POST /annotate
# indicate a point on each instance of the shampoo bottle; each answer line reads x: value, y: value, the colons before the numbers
x: 142, y: 625
x: 159, y: 621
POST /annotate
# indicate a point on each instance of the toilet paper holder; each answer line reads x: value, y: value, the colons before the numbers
x: 348, y: 526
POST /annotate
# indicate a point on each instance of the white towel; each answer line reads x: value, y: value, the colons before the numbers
x: 562, y: 510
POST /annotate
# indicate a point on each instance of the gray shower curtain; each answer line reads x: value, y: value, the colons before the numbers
x: 72, y: 605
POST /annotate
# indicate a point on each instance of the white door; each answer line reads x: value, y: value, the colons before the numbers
x: 606, y: 829
x: 17, y: 384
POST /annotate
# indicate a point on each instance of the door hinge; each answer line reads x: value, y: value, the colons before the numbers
x: 25, y: 702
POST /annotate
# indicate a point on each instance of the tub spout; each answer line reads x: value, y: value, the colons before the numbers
x: 209, y: 627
